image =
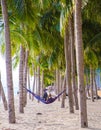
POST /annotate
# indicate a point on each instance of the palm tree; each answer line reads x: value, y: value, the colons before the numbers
x: 80, y: 63
x: 92, y: 36
x: 24, y: 18
x: 21, y: 65
x: 64, y: 94
x: 67, y: 46
x: 92, y: 61
x: 25, y: 76
x: 73, y: 66
x: 65, y: 30
x: 8, y: 63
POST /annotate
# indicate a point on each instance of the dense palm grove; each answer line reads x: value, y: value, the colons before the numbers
x: 57, y: 42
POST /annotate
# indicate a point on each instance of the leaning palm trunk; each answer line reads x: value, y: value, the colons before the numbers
x: 73, y: 76
x: 21, y: 104
x: 80, y: 63
x: 2, y: 94
x: 68, y: 70
x: 11, y: 108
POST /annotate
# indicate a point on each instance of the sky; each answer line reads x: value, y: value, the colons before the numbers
x: 15, y: 77
x: 2, y: 70
x: 3, y: 76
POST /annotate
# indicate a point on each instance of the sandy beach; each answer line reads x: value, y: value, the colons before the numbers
x: 39, y: 116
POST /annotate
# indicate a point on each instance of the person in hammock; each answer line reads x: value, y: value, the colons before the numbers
x: 50, y: 98
x: 45, y: 95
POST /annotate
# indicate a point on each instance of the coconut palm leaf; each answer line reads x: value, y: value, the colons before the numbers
x: 90, y: 58
x: 96, y: 40
x: 67, y: 10
x: 25, y: 10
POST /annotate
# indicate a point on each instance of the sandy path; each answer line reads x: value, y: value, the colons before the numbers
x: 51, y: 117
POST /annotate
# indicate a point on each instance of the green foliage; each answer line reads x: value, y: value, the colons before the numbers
x: 90, y: 30
x: 2, y: 49
x: 92, y: 10
x: 50, y: 18
x: 24, y: 10
x: 90, y: 58
x: 36, y: 24
x: 66, y: 12
x: 43, y: 4
x: 48, y: 77
x: 96, y: 41
x: 92, y: 27
x: 15, y: 61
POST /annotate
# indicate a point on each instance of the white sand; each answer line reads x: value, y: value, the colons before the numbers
x: 52, y: 117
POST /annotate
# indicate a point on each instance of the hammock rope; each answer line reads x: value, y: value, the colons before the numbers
x: 42, y: 100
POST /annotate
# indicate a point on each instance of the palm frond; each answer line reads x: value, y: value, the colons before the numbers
x: 90, y: 58
x: 96, y: 39
x: 24, y: 10
x: 66, y: 12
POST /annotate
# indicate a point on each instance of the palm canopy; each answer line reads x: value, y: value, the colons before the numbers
x: 92, y: 10
x: 36, y: 25
x: 24, y: 11
x: 90, y: 58
x: 92, y: 28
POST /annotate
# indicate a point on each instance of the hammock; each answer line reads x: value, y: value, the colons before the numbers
x: 42, y: 100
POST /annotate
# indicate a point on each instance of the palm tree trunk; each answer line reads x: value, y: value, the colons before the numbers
x: 57, y: 82
x: 73, y: 76
x: 25, y: 77
x: 28, y: 75
x: 21, y: 103
x: 91, y: 84
x: 11, y: 108
x: 80, y: 63
x: 87, y: 84
x: 95, y: 86
x: 42, y: 82
x: 36, y: 80
x: 68, y: 70
x: 2, y: 94
x: 33, y: 89
x: 64, y: 94
x: 38, y: 70
x: 61, y: 80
